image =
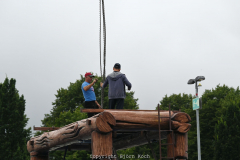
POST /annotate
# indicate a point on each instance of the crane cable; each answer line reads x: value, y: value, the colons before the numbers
x: 102, y: 14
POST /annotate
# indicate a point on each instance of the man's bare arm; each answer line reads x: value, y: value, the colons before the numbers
x: 98, y: 104
x: 90, y: 85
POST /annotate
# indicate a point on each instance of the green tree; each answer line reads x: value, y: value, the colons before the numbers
x: 227, y: 130
x: 13, y: 121
x: 176, y: 101
x: 216, y: 110
x: 209, y: 115
x: 66, y: 109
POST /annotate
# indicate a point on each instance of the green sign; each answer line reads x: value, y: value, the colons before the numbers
x: 195, y: 103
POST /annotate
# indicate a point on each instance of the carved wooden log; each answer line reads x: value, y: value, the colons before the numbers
x: 181, y: 127
x: 143, y: 120
x: 105, y: 122
x: 101, y: 145
x: 71, y: 133
x: 87, y: 110
x: 180, y: 147
x: 181, y: 117
x: 46, y: 128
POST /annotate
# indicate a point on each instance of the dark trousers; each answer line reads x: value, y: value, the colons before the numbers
x: 113, y: 102
x: 91, y: 105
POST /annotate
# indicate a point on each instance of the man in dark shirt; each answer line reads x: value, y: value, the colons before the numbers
x: 116, y: 92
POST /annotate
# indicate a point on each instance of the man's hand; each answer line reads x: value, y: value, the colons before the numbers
x: 90, y: 85
x: 95, y: 80
x: 101, y: 84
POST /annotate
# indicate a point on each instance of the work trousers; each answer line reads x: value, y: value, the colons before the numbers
x: 118, y: 101
x: 91, y: 105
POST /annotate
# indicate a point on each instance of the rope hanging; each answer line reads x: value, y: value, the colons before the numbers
x: 102, y: 14
x: 100, y: 35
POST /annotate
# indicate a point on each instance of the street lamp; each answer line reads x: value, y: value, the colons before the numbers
x: 192, y: 81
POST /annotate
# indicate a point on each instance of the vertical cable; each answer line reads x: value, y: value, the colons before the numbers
x: 100, y: 47
x: 104, y: 50
x: 100, y: 35
x: 104, y: 41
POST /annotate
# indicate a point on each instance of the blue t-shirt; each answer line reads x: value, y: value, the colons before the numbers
x: 89, y: 95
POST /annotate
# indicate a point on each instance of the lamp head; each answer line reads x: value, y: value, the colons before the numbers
x: 199, y: 78
x: 191, y: 81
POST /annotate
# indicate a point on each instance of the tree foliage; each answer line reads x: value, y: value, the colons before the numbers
x: 227, y: 130
x: 209, y: 115
x: 177, y: 102
x: 214, y: 107
x: 13, y: 135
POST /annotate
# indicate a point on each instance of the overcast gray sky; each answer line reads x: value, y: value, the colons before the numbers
x: 160, y: 44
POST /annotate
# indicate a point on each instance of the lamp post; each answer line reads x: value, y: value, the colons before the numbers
x: 192, y: 81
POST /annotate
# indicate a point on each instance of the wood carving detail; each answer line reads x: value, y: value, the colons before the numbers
x: 106, y: 122
x: 73, y: 132
x: 143, y: 120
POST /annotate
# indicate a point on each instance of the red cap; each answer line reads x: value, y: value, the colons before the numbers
x: 89, y: 74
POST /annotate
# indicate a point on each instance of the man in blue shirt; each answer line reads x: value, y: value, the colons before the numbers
x: 116, y: 91
x: 89, y: 94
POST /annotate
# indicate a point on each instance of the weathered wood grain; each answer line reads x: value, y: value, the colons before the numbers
x: 71, y: 133
x: 101, y: 145
x: 86, y: 110
x: 143, y: 120
x: 181, y: 117
x: 99, y: 128
x: 180, y: 141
